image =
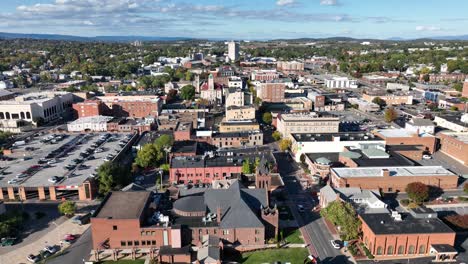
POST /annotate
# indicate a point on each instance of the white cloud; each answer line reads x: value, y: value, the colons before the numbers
x: 329, y: 2
x: 428, y: 28
x: 285, y: 2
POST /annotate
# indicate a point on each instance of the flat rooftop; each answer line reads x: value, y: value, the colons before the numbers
x: 463, y: 137
x: 124, y: 205
x: 394, y: 159
x: 456, y: 119
x: 384, y: 224
x: 399, y: 132
x: 72, y: 145
x: 394, y: 171
x: 307, y: 117
x: 344, y: 136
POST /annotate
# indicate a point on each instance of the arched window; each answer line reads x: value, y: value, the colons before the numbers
x: 7, y: 114
x: 2, y: 115
x: 422, y: 249
x: 411, y: 249
x: 22, y: 115
x: 390, y: 250
x: 401, y: 250
x: 28, y: 115
x: 379, y: 250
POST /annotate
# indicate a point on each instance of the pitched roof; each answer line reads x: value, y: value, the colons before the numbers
x: 239, y: 206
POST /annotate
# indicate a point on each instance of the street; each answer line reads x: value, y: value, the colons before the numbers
x: 77, y: 252
x: 312, y: 225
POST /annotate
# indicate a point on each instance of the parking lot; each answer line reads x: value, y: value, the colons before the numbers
x: 65, y: 161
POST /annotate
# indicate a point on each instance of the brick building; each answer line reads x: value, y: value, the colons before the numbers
x: 237, y: 139
x: 238, y: 126
x: 397, y: 236
x: 465, y: 89
x: 455, y: 145
x: 406, y: 137
x: 90, y: 108
x: 392, y: 179
x: 204, y: 169
x: 390, y: 99
x: 272, y: 91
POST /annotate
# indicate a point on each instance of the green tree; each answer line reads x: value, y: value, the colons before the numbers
x: 246, y: 167
x: 379, y: 101
x: 418, y: 192
x: 458, y: 87
x: 342, y: 214
x: 284, y: 144
x: 267, y: 118
x: 187, y: 92
x: 390, y: 115
x: 147, y: 156
x: 67, y: 208
x: 112, y: 176
x: 164, y: 141
x: 276, y: 135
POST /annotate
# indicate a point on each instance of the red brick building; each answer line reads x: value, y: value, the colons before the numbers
x: 90, y: 108
x: 272, y: 92
x: 392, y: 179
x: 455, y: 145
x: 405, y: 137
x: 398, y: 236
x: 204, y: 169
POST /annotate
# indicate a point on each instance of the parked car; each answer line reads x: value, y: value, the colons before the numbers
x: 52, y: 161
x: 335, y: 244
x: 13, y: 181
x: 54, y: 179
x: 51, y: 249
x: 81, y: 219
x: 70, y: 237
x: 8, y: 241
x: 33, y: 258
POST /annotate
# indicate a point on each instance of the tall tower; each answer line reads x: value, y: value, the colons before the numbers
x: 233, y: 50
x: 196, y: 83
x: 211, y: 82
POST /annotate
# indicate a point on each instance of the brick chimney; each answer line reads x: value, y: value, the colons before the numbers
x: 385, y: 173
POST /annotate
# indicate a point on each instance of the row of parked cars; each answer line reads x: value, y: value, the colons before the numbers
x: 51, y: 250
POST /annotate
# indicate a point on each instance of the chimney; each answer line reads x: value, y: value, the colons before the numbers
x: 385, y: 173
x: 218, y: 214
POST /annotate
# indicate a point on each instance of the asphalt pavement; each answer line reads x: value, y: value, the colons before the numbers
x: 312, y: 225
x: 77, y: 253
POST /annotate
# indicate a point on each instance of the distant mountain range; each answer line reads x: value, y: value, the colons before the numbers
x: 4, y: 35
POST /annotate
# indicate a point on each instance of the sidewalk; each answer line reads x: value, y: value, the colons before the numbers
x: 52, y: 237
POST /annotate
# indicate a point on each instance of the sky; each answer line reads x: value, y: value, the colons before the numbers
x: 237, y: 19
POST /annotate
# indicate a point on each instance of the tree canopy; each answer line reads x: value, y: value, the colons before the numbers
x: 342, y: 214
x: 284, y: 144
x: 112, y: 176
x: 390, y: 115
x: 418, y: 192
x: 67, y: 208
x: 187, y: 92
x: 267, y: 118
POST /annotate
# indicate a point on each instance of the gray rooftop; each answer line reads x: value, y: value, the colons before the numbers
x: 123, y: 205
x: 394, y: 171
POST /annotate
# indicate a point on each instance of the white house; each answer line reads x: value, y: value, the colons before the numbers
x: 421, y: 125
x: 365, y: 201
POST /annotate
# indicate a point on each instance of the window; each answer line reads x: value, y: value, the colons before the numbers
x: 401, y: 250
x: 390, y: 250
x: 257, y: 231
x: 114, y: 227
x: 422, y: 249
x: 142, y: 233
x: 130, y: 243
x: 225, y: 232
x: 143, y: 243
x: 148, y: 242
x: 123, y: 244
x: 153, y: 242
x: 411, y: 249
x: 137, y: 243
x: 379, y: 250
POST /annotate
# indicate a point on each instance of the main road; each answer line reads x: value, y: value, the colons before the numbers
x: 77, y: 253
x: 313, y: 227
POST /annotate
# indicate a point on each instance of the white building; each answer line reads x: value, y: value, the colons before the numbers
x: 90, y: 123
x: 6, y: 84
x: 397, y: 86
x: 235, y: 82
x: 306, y: 123
x: 233, y: 50
x: 234, y: 97
x: 453, y: 122
x: 47, y: 106
x: 420, y: 125
x: 340, y: 82
x: 364, y: 105
x: 331, y: 142
x: 366, y: 201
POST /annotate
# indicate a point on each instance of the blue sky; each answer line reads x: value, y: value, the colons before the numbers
x: 238, y: 19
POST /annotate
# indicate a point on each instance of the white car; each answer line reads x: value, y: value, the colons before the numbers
x: 13, y: 181
x: 427, y: 157
x: 336, y: 244
x: 54, y: 179
x: 50, y: 249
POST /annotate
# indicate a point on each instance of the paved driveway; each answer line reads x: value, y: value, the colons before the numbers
x: 52, y: 237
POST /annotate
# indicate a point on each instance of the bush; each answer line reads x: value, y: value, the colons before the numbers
x: 404, y: 202
x: 367, y: 252
x: 67, y: 208
x: 352, y: 249
x: 276, y: 135
x: 418, y: 192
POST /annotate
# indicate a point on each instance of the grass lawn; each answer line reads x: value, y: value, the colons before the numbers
x: 293, y: 236
x: 293, y: 255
